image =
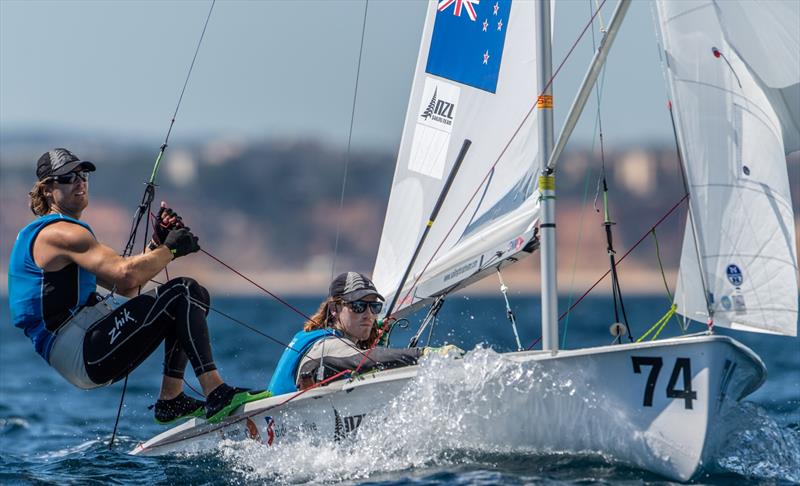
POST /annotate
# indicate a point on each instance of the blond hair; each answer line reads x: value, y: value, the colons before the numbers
x: 40, y: 205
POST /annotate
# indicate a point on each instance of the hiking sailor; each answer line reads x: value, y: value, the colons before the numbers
x: 55, y: 267
x: 337, y: 336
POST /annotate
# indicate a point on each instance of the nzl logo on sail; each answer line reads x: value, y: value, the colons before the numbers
x: 439, y: 110
x: 438, y: 105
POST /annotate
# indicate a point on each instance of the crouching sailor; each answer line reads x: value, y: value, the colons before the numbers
x: 336, y: 337
x: 55, y: 267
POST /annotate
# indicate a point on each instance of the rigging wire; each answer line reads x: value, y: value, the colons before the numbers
x: 661, y: 220
x: 509, y: 312
x: 349, y: 140
x: 599, y: 91
x: 695, y: 237
x: 500, y: 155
x: 274, y: 296
x: 147, y: 200
x: 681, y: 166
x: 271, y: 294
x: 616, y: 289
x: 602, y: 277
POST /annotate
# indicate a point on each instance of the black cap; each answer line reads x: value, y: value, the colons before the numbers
x: 60, y: 161
x: 353, y: 286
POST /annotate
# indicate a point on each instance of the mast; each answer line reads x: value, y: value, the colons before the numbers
x: 547, y: 186
x: 547, y: 179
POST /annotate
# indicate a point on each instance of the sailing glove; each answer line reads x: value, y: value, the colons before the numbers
x: 166, y: 220
x: 180, y: 242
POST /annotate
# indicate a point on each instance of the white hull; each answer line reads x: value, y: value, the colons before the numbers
x: 606, y: 407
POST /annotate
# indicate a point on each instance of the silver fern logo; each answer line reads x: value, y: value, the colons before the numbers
x: 429, y: 110
x: 439, y: 110
x: 355, y: 282
x: 59, y: 157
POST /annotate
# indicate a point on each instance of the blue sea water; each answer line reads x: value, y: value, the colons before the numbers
x: 52, y: 433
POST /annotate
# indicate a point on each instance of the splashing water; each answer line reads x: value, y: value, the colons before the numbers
x: 760, y: 448
x: 487, y: 409
x: 453, y: 412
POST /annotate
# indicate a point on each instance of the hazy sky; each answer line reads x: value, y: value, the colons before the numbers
x: 273, y: 68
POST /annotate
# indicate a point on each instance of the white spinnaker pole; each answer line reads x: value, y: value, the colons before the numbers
x: 547, y: 179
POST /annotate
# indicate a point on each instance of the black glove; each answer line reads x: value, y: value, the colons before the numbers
x: 181, y: 241
x: 161, y: 228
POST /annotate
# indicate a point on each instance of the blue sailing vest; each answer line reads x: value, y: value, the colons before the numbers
x: 284, y: 378
x: 40, y: 301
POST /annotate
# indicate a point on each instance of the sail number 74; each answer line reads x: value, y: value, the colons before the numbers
x: 682, y: 369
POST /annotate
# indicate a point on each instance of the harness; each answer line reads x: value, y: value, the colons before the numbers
x: 41, y: 301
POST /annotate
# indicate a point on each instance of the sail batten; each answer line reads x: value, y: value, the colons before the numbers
x: 475, y: 79
x: 731, y: 134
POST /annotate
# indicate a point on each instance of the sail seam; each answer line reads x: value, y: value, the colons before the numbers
x: 687, y: 12
x: 770, y: 195
x: 724, y: 90
x: 759, y: 256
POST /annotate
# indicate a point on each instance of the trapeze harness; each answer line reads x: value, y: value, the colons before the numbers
x: 94, y: 341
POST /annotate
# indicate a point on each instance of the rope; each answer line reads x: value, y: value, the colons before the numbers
x: 660, y: 265
x: 250, y: 326
x: 664, y: 279
x: 500, y: 156
x: 625, y: 255
x: 598, y: 92
x: 282, y: 301
x: 659, y: 324
x: 147, y: 198
x: 349, y: 139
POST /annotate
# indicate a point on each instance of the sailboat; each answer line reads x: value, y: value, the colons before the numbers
x: 474, y: 192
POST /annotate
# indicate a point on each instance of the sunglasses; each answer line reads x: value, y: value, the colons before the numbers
x: 71, y: 177
x: 360, y: 306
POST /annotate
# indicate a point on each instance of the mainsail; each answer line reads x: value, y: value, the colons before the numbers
x: 733, y: 109
x: 475, y: 79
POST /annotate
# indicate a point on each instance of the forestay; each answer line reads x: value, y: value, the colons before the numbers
x: 475, y: 79
x: 739, y: 258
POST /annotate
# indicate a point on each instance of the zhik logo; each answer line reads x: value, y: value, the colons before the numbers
x: 120, y: 321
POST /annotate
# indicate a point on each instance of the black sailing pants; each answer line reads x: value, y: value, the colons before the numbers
x: 174, y: 313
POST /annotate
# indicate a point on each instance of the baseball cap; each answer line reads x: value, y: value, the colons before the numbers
x: 60, y: 161
x: 351, y: 286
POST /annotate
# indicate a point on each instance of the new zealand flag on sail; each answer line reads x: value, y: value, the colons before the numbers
x: 467, y: 42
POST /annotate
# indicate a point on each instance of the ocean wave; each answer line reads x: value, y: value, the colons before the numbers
x: 9, y: 425
x: 760, y: 448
